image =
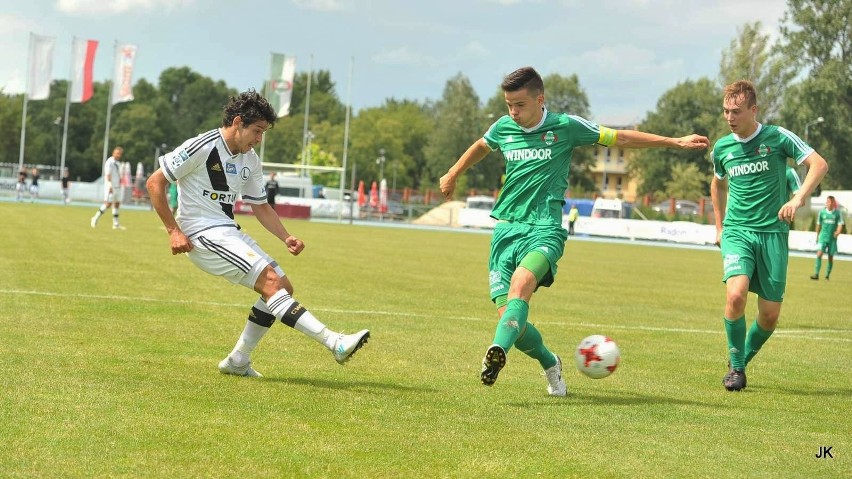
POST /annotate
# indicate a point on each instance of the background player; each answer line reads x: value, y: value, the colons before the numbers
x: 112, y: 190
x: 829, y: 226
x: 753, y: 215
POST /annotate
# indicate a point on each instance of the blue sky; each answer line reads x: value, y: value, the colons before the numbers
x: 626, y: 53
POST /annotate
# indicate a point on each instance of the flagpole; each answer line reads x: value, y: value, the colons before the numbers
x: 67, y: 108
x: 23, y: 133
x: 109, y: 103
x: 346, y: 138
x: 307, y: 113
x: 267, y: 91
x: 24, y: 114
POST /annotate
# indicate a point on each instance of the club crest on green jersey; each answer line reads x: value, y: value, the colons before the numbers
x: 549, y: 138
x: 763, y: 150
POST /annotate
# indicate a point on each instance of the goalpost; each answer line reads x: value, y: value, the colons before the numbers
x: 303, y: 171
x: 297, y: 177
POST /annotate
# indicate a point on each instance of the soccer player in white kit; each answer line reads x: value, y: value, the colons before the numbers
x: 112, y: 190
x: 214, y: 169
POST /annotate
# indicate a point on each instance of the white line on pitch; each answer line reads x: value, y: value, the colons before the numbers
x: 791, y: 334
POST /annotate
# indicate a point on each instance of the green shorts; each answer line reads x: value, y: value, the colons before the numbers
x: 173, y: 195
x: 760, y: 256
x: 828, y: 246
x: 512, y: 241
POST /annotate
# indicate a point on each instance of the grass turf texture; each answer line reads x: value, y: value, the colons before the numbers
x: 110, y: 346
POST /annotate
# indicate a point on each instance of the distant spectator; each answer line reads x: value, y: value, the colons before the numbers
x: 271, y: 189
x: 573, y: 214
x: 66, y: 181
x: 21, y: 186
x: 34, y: 185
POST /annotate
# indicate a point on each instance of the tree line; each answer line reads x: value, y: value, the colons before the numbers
x: 806, y: 74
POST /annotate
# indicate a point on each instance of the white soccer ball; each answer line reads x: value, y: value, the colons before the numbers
x: 597, y: 356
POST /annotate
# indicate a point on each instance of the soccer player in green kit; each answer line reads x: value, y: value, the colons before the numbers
x: 829, y: 225
x: 753, y: 215
x: 529, y: 239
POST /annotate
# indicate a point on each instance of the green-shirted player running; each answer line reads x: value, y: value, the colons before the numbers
x: 529, y: 239
x: 829, y: 225
x: 753, y: 218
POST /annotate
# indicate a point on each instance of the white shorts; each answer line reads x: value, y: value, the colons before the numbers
x: 113, y: 196
x: 34, y: 189
x: 231, y: 254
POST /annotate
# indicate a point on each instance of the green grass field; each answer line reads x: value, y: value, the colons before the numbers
x: 110, y: 344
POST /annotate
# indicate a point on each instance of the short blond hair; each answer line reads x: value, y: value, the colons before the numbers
x: 741, y: 89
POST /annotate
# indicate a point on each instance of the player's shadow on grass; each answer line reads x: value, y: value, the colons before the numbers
x: 349, y: 385
x: 817, y: 327
x: 613, y: 399
x: 803, y: 391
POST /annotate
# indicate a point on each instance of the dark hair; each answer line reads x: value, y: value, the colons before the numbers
x: 524, y: 78
x: 249, y: 105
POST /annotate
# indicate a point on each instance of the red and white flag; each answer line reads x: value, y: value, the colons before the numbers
x: 122, y: 78
x: 82, y: 63
x: 40, y: 67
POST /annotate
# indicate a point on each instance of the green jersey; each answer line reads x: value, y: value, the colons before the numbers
x: 793, y: 182
x: 537, y: 163
x: 756, y: 169
x: 828, y: 221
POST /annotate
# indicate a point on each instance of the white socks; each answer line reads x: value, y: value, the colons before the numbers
x: 290, y: 312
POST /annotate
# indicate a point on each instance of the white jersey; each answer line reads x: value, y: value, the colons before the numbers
x: 113, y: 172
x: 211, y: 180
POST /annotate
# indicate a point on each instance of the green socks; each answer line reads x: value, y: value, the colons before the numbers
x: 531, y: 344
x: 512, y: 323
x: 818, y: 265
x: 828, y: 268
x: 736, y: 332
x: 514, y: 329
x: 756, y: 337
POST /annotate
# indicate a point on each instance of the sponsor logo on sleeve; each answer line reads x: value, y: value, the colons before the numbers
x: 179, y: 158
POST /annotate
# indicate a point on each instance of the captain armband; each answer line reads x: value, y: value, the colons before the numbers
x: 607, y: 136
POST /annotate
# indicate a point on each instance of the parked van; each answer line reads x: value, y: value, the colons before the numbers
x: 614, y: 208
x: 295, y: 186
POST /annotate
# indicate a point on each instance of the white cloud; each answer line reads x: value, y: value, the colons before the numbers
x: 476, y: 49
x: 626, y: 59
x: 113, y: 7
x: 323, y: 5
x: 404, y: 56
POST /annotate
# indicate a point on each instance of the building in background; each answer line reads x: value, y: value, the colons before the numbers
x: 610, y: 171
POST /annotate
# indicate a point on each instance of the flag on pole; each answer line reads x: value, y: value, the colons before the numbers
x: 40, y: 67
x: 122, y: 78
x: 280, y: 86
x: 82, y: 63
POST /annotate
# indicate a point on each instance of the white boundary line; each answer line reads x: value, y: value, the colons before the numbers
x: 785, y: 333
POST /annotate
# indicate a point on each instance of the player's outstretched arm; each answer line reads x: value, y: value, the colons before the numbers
x: 474, y: 154
x: 640, y: 139
x: 157, y: 186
